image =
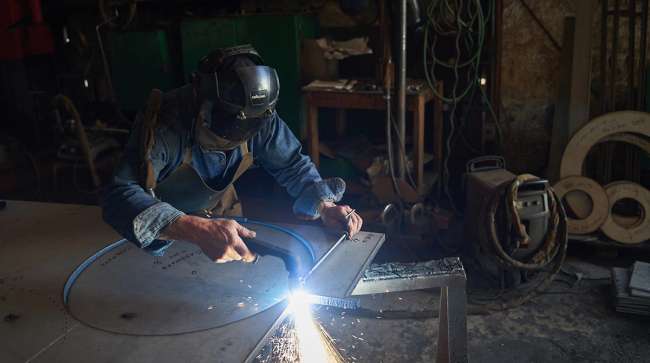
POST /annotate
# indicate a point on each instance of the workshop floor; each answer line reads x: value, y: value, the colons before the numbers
x: 576, y: 326
x: 571, y: 322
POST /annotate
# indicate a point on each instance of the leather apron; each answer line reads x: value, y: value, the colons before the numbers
x: 187, y: 191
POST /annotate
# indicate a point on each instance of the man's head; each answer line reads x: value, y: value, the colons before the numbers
x: 244, y: 91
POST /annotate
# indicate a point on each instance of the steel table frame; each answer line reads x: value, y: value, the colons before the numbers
x: 449, y: 275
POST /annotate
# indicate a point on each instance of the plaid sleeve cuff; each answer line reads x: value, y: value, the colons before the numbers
x: 328, y: 190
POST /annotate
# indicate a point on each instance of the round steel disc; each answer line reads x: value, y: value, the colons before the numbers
x: 128, y: 291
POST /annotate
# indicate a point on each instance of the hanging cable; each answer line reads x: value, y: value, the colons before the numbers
x: 466, y: 22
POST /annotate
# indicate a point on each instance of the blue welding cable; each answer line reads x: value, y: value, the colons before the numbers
x: 291, y: 233
x: 77, y: 271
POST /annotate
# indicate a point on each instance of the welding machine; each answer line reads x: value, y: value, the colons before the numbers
x: 487, y: 183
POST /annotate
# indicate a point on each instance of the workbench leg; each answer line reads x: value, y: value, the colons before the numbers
x: 341, y: 122
x: 418, y: 142
x: 443, y: 324
x: 312, y: 134
x: 452, y: 329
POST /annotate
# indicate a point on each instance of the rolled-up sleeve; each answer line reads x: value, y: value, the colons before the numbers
x: 279, y: 152
x: 127, y: 207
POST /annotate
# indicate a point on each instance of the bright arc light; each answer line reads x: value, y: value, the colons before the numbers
x: 311, y: 346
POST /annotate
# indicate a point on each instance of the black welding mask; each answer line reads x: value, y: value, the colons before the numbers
x: 243, y: 90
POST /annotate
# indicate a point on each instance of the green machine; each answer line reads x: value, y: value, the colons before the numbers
x: 140, y: 61
x: 276, y: 37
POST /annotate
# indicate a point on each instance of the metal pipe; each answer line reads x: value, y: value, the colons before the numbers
x: 401, y: 90
x: 631, y: 53
x: 107, y: 71
x: 641, y: 102
x: 604, y: 104
x: 612, y: 85
x: 498, y: 34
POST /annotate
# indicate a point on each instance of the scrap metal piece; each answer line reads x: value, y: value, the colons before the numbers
x: 393, y: 277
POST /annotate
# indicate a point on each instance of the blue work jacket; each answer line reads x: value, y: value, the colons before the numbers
x: 140, y: 217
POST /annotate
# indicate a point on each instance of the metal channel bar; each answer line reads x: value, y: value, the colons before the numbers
x: 604, y: 102
x: 401, y: 90
x: 612, y: 84
x: 631, y: 52
x: 641, y: 102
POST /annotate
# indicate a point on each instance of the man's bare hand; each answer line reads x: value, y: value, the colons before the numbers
x: 220, y: 239
x: 334, y: 216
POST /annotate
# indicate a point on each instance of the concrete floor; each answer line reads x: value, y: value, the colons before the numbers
x: 577, y: 325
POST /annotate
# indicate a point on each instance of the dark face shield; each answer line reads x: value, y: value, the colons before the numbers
x: 252, y: 95
x: 234, y: 129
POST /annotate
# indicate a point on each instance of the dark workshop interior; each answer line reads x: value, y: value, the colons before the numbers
x: 324, y: 181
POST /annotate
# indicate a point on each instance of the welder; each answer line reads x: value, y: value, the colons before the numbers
x: 192, y: 143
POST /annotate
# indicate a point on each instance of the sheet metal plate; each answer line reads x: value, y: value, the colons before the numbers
x: 32, y: 274
x: 128, y: 291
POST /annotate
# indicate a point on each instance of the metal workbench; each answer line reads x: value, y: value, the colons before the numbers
x: 41, y: 244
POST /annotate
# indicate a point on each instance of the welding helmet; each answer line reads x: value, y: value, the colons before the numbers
x: 243, y: 90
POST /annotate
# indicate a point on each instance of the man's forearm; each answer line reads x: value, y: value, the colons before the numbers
x: 185, y: 227
x: 220, y: 239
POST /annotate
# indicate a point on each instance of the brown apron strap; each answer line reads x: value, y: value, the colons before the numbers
x: 147, y: 139
x: 229, y: 204
x: 244, y: 149
x: 244, y: 164
x: 187, y: 156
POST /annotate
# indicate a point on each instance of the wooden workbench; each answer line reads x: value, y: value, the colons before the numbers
x: 416, y: 100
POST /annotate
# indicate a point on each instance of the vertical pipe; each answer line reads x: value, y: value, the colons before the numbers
x: 107, y: 71
x: 631, y: 39
x: 632, y: 170
x: 401, y: 89
x: 612, y: 84
x: 498, y: 37
x: 604, y: 102
x: 641, y: 102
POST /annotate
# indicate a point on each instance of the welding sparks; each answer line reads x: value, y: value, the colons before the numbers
x: 312, y: 343
x: 301, y: 338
